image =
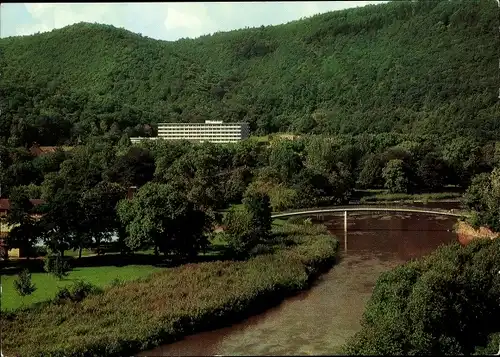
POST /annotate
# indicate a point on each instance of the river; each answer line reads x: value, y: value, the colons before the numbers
x: 319, y: 321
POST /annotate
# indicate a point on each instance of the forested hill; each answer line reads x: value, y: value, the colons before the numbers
x: 414, y: 67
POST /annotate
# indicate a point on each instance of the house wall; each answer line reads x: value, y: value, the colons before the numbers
x: 4, y: 232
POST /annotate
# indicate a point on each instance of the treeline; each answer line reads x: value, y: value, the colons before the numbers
x: 85, y: 188
x: 420, y: 67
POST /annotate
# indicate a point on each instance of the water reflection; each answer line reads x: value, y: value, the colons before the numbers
x: 320, y: 320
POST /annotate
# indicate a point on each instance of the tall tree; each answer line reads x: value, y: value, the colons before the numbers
x: 162, y: 217
x: 395, y: 176
x: 25, y: 230
x: 240, y: 233
x: 371, y: 172
x: 135, y: 168
x: 61, y: 221
x: 99, y: 220
x: 258, y: 205
x: 285, y: 161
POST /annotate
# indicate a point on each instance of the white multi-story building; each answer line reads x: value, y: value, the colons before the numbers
x: 212, y: 131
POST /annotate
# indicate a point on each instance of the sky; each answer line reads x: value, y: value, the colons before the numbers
x: 162, y: 21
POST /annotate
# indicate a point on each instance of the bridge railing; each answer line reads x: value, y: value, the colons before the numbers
x: 370, y: 208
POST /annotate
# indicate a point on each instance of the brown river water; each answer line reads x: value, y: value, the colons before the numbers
x: 321, y: 319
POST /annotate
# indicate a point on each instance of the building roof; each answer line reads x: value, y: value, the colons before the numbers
x: 5, y: 203
x: 37, y: 150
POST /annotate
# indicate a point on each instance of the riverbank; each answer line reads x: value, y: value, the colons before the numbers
x: 173, y: 303
x: 467, y: 233
x: 384, y: 197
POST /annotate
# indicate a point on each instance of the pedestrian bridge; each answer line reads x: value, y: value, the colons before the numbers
x: 371, y: 208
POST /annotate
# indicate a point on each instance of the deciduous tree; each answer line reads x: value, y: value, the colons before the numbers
x: 395, y: 176
x: 162, y: 217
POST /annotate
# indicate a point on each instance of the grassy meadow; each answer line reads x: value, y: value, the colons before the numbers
x: 47, y: 285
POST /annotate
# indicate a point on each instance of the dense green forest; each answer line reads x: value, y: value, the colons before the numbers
x: 82, y: 187
x: 420, y: 67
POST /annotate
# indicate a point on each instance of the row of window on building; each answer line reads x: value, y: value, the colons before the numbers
x: 208, y: 131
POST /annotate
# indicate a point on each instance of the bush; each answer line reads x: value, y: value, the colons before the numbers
x: 261, y: 249
x: 23, y: 284
x: 296, y: 220
x: 474, y: 220
x: 116, y: 282
x: 300, y: 220
x: 56, y: 265
x: 240, y: 235
x: 491, y: 348
x: 239, y: 245
x: 168, y: 305
x: 77, y: 292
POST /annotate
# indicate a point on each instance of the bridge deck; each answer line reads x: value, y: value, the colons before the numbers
x: 440, y: 212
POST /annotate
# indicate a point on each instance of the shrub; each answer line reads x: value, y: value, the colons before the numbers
x: 77, y: 292
x: 56, y: 265
x: 261, y: 249
x: 23, y: 284
x: 296, y: 220
x: 239, y: 245
x: 116, y: 282
x: 300, y: 220
x: 240, y: 235
x: 474, y: 220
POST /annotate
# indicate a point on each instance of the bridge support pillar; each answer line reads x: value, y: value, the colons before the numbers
x: 345, y: 242
x: 345, y: 231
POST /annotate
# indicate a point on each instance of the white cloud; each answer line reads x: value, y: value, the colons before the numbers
x: 60, y: 15
x: 168, y: 21
x: 192, y: 19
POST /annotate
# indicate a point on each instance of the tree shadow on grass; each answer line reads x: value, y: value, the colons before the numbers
x: 211, y: 254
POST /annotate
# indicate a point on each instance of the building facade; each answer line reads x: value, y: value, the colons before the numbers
x: 211, y: 131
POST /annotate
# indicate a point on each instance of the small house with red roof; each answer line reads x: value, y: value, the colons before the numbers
x: 37, y: 150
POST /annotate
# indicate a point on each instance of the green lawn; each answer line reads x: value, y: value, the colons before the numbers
x: 90, y: 252
x: 279, y: 222
x: 74, y: 253
x: 263, y: 138
x: 47, y: 285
